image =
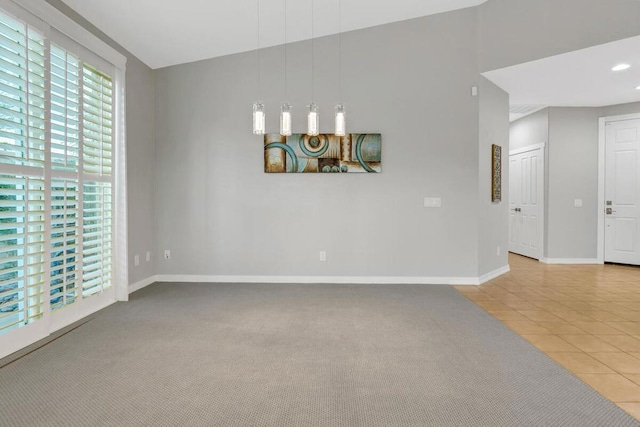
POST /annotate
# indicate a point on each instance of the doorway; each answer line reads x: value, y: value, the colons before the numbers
x: 619, y: 190
x: 526, y: 201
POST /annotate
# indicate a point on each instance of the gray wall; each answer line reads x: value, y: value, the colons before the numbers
x: 529, y: 130
x: 140, y: 152
x: 517, y: 31
x: 220, y: 214
x: 200, y: 184
x: 619, y: 110
x: 572, y: 174
x: 493, y: 217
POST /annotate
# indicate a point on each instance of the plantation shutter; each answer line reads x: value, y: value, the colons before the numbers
x: 22, y: 94
x: 62, y: 173
x: 64, y: 242
x: 65, y: 110
x: 22, y: 191
x: 65, y: 158
x: 56, y: 173
x: 22, y: 220
x: 97, y: 158
x: 97, y: 122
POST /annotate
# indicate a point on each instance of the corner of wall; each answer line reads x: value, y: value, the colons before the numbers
x: 493, y: 128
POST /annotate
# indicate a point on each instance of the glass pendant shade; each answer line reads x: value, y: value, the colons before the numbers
x: 258, y: 118
x: 285, y: 119
x: 341, y: 120
x: 313, y: 120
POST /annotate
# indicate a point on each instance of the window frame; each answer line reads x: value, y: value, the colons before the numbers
x: 48, y: 20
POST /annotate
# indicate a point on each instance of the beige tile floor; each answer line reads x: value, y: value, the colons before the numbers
x: 586, y: 318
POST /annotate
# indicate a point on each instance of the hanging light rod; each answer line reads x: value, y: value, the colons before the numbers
x: 341, y: 120
x: 259, y: 119
x: 285, y: 108
x: 313, y: 116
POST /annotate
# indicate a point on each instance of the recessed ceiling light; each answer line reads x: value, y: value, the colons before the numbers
x: 638, y: 87
x: 621, y: 67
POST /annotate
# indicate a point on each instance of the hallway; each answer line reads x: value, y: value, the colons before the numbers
x: 585, y: 317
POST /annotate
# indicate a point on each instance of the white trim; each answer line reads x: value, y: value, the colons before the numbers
x: 142, y: 284
x: 20, y: 338
x: 622, y: 117
x: 373, y: 280
x: 528, y: 148
x: 188, y: 278
x: 121, y: 230
x: 494, y: 274
x: 542, y: 177
x: 75, y: 31
x: 602, y: 137
x: 17, y: 339
x: 74, y: 312
x: 566, y: 261
x: 602, y: 142
x: 30, y: 171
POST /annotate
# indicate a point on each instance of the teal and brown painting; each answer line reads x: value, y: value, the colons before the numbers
x: 324, y: 153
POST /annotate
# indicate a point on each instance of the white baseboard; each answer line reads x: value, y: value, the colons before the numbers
x: 375, y: 280
x: 578, y: 261
x: 142, y: 283
x: 493, y: 274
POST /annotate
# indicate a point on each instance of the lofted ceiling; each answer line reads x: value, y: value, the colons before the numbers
x: 169, y: 32
x: 582, y: 78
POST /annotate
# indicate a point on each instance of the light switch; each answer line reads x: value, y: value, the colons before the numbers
x: 577, y: 203
x: 432, y: 202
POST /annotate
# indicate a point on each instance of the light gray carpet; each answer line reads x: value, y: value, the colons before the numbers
x: 296, y: 355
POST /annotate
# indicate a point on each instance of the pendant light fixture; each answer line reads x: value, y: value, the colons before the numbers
x: 313, y: 120
x: 341, y: 122
x: 341, y: 119
x: 313, y: 117
x: 259, y: 119
x: 285, y: 119
x: 285, y: 108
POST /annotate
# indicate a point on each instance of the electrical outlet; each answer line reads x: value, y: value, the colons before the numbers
x: 148, y: 256
x: 167, y: 254
x: 432, y: 202
x: 323, y: 256
x: 577, y: 203
x: 136, y: 260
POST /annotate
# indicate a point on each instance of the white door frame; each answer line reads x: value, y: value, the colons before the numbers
x: 542, y: 146
x: 602, y: 143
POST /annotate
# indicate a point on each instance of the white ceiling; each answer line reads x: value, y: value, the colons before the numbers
x: 582, y: 78
x: 169, y: 32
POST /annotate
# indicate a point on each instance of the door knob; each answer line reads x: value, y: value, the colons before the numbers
x: 610, y: 211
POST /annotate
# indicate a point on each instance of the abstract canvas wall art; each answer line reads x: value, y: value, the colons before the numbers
x: 496, y: 173
x: 325, y: 153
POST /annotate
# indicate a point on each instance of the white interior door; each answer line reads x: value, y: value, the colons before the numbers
x: 526, y: 187
x: 622, y: 192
